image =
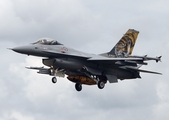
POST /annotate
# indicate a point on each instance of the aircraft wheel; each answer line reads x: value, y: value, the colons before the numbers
x: 78, y: 86
x: 101, y: 84
x: 54, y: 79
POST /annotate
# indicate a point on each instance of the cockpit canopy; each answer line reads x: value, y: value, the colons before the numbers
x: 47, y: 41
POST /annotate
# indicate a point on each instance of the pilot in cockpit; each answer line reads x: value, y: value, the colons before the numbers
x: 47, y: 41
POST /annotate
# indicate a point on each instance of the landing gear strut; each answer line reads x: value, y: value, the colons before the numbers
x: 99, y: 81
x: 54, y: 79
x: 78, y: 86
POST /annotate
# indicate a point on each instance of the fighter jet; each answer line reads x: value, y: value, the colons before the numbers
x: 89, y: 69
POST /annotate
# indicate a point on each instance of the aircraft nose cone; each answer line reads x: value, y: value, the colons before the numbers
x: 23, y: 50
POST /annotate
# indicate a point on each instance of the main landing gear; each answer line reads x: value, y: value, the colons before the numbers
x: 99, y: 81
x: 78, y: 86
x: 100, y: 84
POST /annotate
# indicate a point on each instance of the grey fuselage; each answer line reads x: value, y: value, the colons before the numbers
x: 74, y: 61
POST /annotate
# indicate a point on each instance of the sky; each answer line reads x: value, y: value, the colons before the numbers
x: 92, y: 26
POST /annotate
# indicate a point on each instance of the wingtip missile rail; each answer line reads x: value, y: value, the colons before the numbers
x: 145, y: 58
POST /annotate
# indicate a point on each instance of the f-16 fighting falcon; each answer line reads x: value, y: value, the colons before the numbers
x: 89, y: 69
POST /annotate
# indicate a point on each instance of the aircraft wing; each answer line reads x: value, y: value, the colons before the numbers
x: 124, y: 63
x: 135, y: 68
x: 112, y: 59
x: 118, y: 61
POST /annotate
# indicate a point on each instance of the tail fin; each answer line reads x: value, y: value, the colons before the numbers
x: 125, y: 45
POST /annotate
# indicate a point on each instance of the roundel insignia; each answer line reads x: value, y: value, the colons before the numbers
x: 64, y: 49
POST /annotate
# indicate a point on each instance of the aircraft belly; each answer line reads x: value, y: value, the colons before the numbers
x: 63, y: 63
x: 94, y: 71
x: 123, y: 74
x: 67, y: 64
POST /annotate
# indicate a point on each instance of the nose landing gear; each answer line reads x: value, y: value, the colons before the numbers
x: 54, y: 79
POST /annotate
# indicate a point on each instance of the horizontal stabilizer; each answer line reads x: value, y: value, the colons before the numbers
x: 149, y: 72
x: 136, y: 69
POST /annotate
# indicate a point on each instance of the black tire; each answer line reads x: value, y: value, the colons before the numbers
x: 101, y: 84
x: 54, y: 79
x: 78, y: 86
